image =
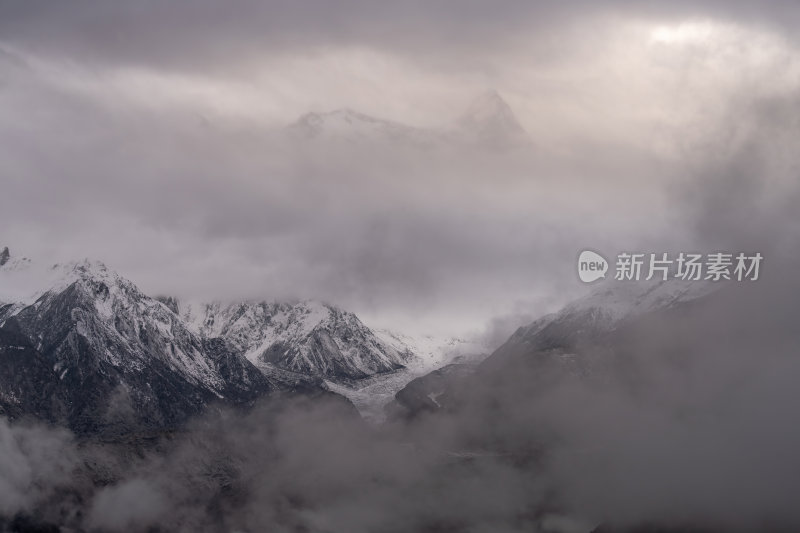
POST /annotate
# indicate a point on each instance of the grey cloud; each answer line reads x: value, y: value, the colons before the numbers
x: 131, y: 505
x: 205, y: 34
x: 165, y: 195
x: 742, y: 191
x: 162, y: 200
x: 35, y: 463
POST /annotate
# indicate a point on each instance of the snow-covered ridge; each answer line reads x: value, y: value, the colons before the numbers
x: 488, y: 122
x: 563, y: 341
x: 93, y: 328
x: 307, y: 337
x: 93, y: 336
x: 23, y: 282
x: 616, y: 301
x: 625, y: 299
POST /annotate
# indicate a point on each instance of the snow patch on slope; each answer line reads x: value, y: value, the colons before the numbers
x: 309, y: 336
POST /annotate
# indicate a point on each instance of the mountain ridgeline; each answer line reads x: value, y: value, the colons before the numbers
x: 88, y: 350
x: 488, y: 123
x: 585, y: 339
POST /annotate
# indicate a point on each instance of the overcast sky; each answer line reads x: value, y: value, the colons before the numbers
x: 144, y: 134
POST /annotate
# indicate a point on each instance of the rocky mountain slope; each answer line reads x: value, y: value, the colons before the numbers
x: 110, y: 354
x: 82, y: 346
x: 575, y: 340
x: 600, y: 312
x: 307, y: 337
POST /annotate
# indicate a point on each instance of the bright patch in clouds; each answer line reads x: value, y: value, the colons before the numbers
x: 685, y: 32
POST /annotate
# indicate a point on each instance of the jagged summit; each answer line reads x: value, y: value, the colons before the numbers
x: 488, y: 104
x: 10, y: 263
x: 308, y: 337
x: 96, y: 337
x: 490, y: 120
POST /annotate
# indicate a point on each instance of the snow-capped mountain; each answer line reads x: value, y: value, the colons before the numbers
x: 110, y: 349
x: 488, y: 122
x: 97, y: 344
x: 305, y: 337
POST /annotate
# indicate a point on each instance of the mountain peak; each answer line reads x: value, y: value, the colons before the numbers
x: 488, y: 122
x: 489, y: 119
x: 5, y: 255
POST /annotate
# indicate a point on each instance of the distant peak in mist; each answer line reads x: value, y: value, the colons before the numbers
x: 488, y: 104
x: 488, y: 121
x: 345, y: 114
x: 346, y: 124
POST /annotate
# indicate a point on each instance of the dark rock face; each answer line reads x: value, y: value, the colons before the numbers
x: 28, y: 385
x: 423, y: 393
x: 5, y: 255
x: 242, y: 379
x: 170, y: 302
